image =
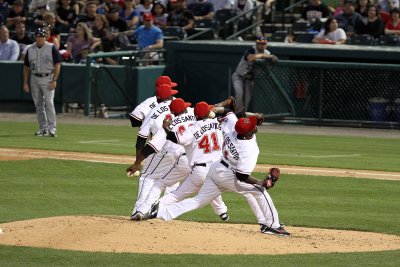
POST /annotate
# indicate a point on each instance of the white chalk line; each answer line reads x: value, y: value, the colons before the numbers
x: 315, y: 156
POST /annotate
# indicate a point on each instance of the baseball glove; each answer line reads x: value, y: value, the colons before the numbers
x: 273, y: 60
x: 260, y: 118
x: 271, y: 178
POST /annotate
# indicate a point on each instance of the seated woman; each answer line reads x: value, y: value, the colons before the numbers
x: 331, y: 34
x: 76, y: 42
x: 393, y: 26
x: 160, y: 15
x: 129, y: 14
x: 373, y: 25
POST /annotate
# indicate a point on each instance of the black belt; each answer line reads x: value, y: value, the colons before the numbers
x: 41, y: 74
x: 184, y: 154
x: 224, y: 163
x: 200, y: 164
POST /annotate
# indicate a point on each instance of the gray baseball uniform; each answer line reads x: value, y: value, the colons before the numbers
x: 41, y: 61
x: 242, y: 79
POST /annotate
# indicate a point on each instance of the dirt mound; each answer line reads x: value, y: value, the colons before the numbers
x: 119, y: 234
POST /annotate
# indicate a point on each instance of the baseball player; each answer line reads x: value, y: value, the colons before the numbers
x: 42, y: 64
x: 243, y: 76
x: 182, y: 117
x: 155, y: 163
x: 139, y: 113
x: 231, y: 173
x: 203, y: 145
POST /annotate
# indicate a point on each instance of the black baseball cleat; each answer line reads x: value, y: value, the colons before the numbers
x: 224, y: 217
x: 137, y: 216
x: 274, y: 231
x: 153, y: 212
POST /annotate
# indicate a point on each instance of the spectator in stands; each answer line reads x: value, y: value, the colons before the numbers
x: 16, y: 14
x: 387, y: 5
x: 65, y: 16
x: 144, y: 7
x: 9, y: 49
x: 362, y: 7
x: 130, y: 14
x: 4, y: 10
x: 393, y: 26
x: 372, y: 25
x: 331, y: 34
x: 242, y: 6
x: 384, y: 7
x: 38, y: 17
x: 243, y: 76
x: 89, y: 16
x: 349, y: 18
x: 101, y: 32
x: 148, y: 36
x: 202, y: 10
x: 181, y: 16
x: 49, y: 5
x: 22, y: 38
x: 51, y: 36
x: 315, y: 11
x: 50, y: 22
x: 221, y: 4
x: 160, y: 15
x: 339, y: 9
x: 76, y: 42
x: 117, y: 24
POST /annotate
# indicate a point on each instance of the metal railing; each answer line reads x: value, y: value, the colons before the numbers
x: 134, y: 58
x: 235, y: 20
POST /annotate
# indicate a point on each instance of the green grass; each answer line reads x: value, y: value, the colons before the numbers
x: 289, y: 149
x: 22, y: 256
x: 44, y: 188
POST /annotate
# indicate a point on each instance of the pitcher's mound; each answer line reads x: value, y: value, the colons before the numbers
x: 119, y: 234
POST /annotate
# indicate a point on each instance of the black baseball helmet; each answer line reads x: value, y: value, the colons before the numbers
x: 40, y: 32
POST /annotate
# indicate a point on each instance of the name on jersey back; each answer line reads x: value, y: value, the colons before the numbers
x: 159, y: 111
x: 205, y: 128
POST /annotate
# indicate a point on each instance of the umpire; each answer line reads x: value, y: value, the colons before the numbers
x: 42, y: 64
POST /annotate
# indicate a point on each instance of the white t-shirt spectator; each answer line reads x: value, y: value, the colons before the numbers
x: 338, y: 34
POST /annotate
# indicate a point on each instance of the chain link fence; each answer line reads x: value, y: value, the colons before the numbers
x: 328, y: 92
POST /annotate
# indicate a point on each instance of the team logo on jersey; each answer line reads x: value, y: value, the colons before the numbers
x: 181, y: 129
x: 46, y: 59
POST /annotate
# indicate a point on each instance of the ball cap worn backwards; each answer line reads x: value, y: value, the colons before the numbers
x: 246, y: 125
x: 178, y: 105
x: 165, y: 80
x: 164, y: 91
x: 202, y: 109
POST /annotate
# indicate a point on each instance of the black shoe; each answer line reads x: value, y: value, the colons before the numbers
x: 137, y: 216
x: 274, y: 231
x: 224, y: 217
x: 153, y: 212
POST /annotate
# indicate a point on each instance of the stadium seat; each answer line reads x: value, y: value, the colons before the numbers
x: 389, y: 40
x: 304, y: 37
x: 362, y: 39
x: 278, y: 36
x: 173, y: 33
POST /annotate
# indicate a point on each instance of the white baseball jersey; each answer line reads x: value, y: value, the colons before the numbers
x: 154, y: 120
x: 180, y: 124
x: 202, y: 141
x: 241, y: 155
x: 141, y: 110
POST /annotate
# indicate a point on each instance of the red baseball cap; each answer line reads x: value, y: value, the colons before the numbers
x: 147, y: 16
x: 246, y: 125
x: 164, y: 91
x: 165, y: 80
x: 202, y: 109
x: 178, y: 105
